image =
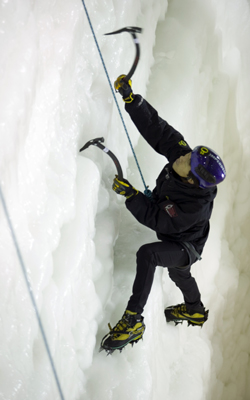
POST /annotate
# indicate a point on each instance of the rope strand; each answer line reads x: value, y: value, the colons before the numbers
x: 147, y: 191
x: 30, y: 292
x: 15, y: 242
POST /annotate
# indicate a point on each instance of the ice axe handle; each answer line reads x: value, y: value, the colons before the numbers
x: 133, y: 30
x: 98, y: 142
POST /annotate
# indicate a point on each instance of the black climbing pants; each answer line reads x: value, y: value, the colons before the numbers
x: 171, y: 255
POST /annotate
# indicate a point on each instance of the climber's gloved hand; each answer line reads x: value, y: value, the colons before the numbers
x: 124, y: 188
x: 125, y: 89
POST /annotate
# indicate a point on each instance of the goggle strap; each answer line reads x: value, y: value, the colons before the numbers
x: 204, y: 174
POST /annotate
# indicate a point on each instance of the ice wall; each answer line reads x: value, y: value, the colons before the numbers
x: 54, y: 98
x: 77, y: 240
x: 204, y: 52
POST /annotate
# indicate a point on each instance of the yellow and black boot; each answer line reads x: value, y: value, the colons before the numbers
x: 129, y: 329
x: 180, y: 313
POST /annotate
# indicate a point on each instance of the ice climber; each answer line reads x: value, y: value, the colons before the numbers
x: 179, y: 213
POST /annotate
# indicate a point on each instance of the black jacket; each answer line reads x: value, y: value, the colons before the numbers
x: 177, y: 211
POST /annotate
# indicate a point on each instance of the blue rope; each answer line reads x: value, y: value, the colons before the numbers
x: 147, y: 191
x: 30, y: 291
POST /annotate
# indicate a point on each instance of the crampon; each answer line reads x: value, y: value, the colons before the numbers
x: 180, y: 313
x: 129, y: 329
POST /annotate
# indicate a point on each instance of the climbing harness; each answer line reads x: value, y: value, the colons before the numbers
x: 132, y: 31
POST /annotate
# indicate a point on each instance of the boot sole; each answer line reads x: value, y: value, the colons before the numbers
x: 110, y: 348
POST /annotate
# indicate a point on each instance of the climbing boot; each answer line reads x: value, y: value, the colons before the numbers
x: 181, y: 312
x: 129, y: 329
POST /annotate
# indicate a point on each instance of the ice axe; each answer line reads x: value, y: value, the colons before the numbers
x: 133, y: 30
x: 98, y: 142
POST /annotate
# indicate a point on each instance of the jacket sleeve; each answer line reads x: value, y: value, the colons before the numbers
x: 161, y: 136
x: 166, y: 217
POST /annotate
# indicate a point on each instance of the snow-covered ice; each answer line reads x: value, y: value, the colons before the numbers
x: 77, y: 240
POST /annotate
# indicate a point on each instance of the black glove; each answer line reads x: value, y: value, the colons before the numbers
x: 124, y: 188
x: 125, y: 89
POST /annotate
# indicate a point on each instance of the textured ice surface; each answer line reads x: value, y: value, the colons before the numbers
x: 77, y: 239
